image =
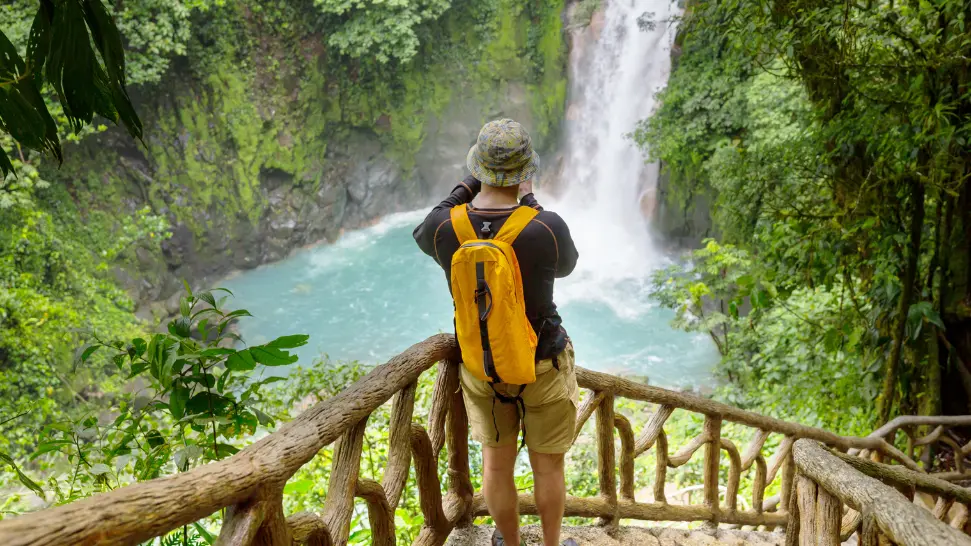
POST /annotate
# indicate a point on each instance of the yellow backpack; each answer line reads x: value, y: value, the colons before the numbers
x: 498, y: 343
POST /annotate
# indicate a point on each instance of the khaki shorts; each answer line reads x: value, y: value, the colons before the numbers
x: 551, y: 407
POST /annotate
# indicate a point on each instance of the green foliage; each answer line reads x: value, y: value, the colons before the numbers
x: 831, y: 139
x: 54, y: 289
x: 702, y: 107
x: 384, y: 30
x: 800, y: 354
x: 548, y: 81
x: 584, y: 11
x: 23, y: 478
x: 87, y: 80
x: 189, y: 401
x: 154, y: 32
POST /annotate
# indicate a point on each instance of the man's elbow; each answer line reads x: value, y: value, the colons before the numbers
x: 566, y: 267
x: 421, y: 239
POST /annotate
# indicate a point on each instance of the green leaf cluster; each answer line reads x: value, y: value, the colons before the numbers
x: 75, y: 47
x: 189, y: 399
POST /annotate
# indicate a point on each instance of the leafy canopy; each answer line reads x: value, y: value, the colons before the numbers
x: 86, y: 80
x: 383, y: 29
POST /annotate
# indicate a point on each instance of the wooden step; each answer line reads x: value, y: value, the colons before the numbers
x: 481, y: 535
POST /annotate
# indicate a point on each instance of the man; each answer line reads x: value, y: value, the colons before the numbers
x: 503, y: 163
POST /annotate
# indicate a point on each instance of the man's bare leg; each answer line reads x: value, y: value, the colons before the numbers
x: 499, y: 489
x: 549, y: 487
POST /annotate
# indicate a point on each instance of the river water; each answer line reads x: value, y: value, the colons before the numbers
x: 373, y: 293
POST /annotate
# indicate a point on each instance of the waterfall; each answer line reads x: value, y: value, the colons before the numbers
x: 340, y: 294
x: 617, y: 65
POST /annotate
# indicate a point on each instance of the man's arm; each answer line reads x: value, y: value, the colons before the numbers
x: 424, y: 234
x: 566, y: 249
x: 526, y: 197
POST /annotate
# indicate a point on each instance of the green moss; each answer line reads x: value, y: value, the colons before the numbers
x: 248, y: 102
x: 548, y: 94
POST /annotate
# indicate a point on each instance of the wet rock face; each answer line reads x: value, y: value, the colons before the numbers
x: 354, y: 186
x: 356, y: 181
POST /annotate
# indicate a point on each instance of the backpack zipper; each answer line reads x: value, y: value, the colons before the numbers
x: 484, y: 243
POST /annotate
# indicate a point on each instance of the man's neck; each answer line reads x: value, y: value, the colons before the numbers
x: 497, y: 198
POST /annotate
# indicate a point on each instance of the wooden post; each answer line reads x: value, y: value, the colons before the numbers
x: 343, y: 482
x: 591, y: 403
x: 436, y: 527
x: 758, y: 484
x: 960, y: 520
x: 446, y: 383
x: 626, y: 457
x: 829, y: 511
x: 806, y: 498
x: 379, y: 512
x: 241, y: 524
x: 460, y: 492
x: 788, y: 475
x: 942, y: 507
x: 794, y: 525
x: 734, y: 474
x: 606, y: 464
x: 399, y: 448
x: 712, y: 428
x: 869, y: 532
x: 661, y: 467
x: 274, y: 530
x: 653, y: 429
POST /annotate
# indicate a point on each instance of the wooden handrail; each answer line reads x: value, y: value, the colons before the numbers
x: 626, y: 388
x: 902, y: 477
x: 823, y: 476
x: 250, y: 483
x: 133, y: 514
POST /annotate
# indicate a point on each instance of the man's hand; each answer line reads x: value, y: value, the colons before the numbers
x: 526, y: 188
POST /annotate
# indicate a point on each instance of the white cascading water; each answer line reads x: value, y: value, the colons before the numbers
x: 609, y: 186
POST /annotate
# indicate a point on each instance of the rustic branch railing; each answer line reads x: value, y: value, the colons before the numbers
x: 879, y: 513
x: 249, y: 485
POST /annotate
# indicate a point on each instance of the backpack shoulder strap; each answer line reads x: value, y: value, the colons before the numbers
x: 461, y: 223
x: 515, y: 224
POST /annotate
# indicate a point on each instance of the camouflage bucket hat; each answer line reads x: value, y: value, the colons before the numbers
x: 503, y: 154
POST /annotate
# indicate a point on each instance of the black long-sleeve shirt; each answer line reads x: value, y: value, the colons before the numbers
x: 544, y: 249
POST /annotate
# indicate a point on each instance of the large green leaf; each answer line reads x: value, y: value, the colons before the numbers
x: 207, y: 403
x: 271, y: 356
x: 73, y: 70
x: 108, y: 41
x: 23, y: 112
x: 47, y: 447
x: 39, y: 41
x: 178, y: 399
x: 24, y: 479
x: 289, y: 342
x: 204, y: 533
x: 5, y: 166
x: 241, y: 361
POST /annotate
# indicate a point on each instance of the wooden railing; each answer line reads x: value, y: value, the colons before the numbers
x: 875, y: 500
x: 610, y: 506
x: 249, y: 485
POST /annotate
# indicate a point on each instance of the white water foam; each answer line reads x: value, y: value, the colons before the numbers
x: 609, y: 185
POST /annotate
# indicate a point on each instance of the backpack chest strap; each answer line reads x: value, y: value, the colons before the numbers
x: 515, y: 224
x: 462, y: 224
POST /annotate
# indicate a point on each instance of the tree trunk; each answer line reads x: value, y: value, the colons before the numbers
x: 906, y: 294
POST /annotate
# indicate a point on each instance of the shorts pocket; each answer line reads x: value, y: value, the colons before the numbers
x: 552, y: 387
